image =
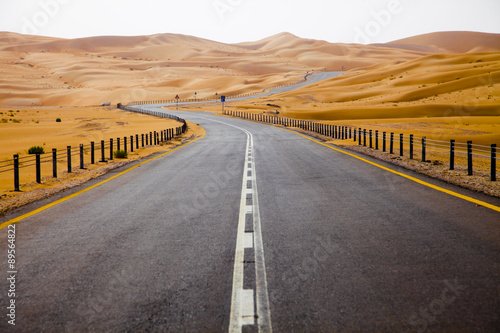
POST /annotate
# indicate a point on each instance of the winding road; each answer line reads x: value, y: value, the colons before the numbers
x: 253, y: 228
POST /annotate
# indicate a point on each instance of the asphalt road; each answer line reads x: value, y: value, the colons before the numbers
x: 329, y: 243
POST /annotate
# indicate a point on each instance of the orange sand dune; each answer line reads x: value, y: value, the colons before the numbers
x: 88, y: 71
x: 464, y: 80
x: 451, y: 42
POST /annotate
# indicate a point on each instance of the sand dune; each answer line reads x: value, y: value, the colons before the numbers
x: 451, y: 42
x: 461, y: 78
x: 88, y: 71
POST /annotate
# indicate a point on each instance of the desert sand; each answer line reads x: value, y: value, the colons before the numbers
x: 41, y: 71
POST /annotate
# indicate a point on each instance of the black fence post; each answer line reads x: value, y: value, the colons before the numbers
x: 92, y: 152
x: 68, y: 155
x: 359, y: 137
x: 118, y: 144
x: 16, y: 172
x: 376, y: 139
x: 155, y: 141
x: 452, y: 154
x: 493, y: 162
x: 411, y: 146
x: 54, y: 162
x: 103, y: 157
x: 423, y: 149
x: 355, y: 137
x: 384, y: 139
x: 150, y: 138
x: 142, y: 140
x: 371, y: 139
x: 400, y: 144
x: 364, y: 137
x: 391, y: 144
x: 125, y: 144
x: 132, y: 143
x: 81, y: 157
x: 38, y: 169
x: 350, y: 132
x: 137, y: 141
x: 469, y: 158
x: 110, y: 149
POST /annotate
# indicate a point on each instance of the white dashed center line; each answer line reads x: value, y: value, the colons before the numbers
x: 249, y: 306
x: 249, y: 300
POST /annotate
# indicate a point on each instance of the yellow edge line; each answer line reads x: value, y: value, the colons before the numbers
x: 464, y: 197
x: 52, y: 204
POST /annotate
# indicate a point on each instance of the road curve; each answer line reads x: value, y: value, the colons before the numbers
x: 310, y: 79
x: 346, y: 246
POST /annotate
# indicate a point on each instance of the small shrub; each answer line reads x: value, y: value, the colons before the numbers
x: 58, y: 120
x: 120, y: 154
x: 4, y: 121
x: 36, y: 150
x: 17, y: 121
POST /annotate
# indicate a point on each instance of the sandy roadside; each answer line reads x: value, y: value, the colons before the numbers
x: 73, y: 130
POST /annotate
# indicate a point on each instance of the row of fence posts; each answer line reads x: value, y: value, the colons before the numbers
x: 334, y: 131
x: 452, y: 149
x: 148, y: 139
x: 361, y: 136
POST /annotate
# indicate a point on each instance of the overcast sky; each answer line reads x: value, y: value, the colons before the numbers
x: 232, y: 21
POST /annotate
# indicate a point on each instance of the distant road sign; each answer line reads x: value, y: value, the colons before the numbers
x: 223, y: 98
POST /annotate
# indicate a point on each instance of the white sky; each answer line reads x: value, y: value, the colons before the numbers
x: 232, y: 21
